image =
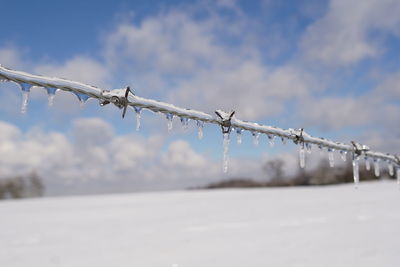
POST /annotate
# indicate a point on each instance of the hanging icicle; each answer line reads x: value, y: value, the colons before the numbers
x: 284, y: 140
x: 169, y: 117
x: 271, y: 140
x: 200, y: 126
x: 321, y: 149
x: 138, y: 111
x: 391, y: 169
x: 308, y: 148
x: 331, y: 157
x: 302, y: 156
x: 226, y: 152
x: 226, y: 128
x: 26, y: 88
x: 356, y: 170
x: 51, y: 93
x: 82, y: 98
x: 367, y: 163
x: 398, y: 175
x: 376, y: 167
x: 24, y: 104
x: 256, y: 138
x: 185, y: 123
x: 239, y: 135
x: 343, y: 155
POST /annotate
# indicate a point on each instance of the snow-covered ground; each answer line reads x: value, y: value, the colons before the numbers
x: 309, y: 226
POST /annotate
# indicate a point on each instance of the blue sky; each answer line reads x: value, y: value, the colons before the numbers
x: 329, y: 66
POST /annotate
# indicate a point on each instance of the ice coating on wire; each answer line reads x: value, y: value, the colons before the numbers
x: 110, y: 96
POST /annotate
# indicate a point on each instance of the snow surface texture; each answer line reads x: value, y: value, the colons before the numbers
x: 309, y: 226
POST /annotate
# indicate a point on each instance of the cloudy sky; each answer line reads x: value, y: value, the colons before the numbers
x: 331, y: 67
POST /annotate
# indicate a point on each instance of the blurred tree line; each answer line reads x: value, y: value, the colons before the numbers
x: 323, y: 174
x: 27, y: 186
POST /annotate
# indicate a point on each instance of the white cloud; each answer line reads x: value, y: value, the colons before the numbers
x: 180, y: 155
x: 79, y: 68
x: 250, y: 88
x: 174, y: 43
x: 376, y: 110
x: 96, y: 156
x: 193, y: 65
x: 342, y: 35
x: 10, y: 57
x: 92, y: 132
x: 9, y: 132
x: 389, y: 89
x: 334, y: 113
x: 189, y: 62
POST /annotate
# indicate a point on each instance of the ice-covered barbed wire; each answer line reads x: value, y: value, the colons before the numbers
x: 123, y: 98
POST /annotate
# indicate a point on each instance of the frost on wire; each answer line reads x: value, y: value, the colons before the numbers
x: 124, y: 98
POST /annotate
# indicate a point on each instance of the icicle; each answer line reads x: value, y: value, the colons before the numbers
x: 26, y: 88
x: 256, y: 138
x: 391, y: 169
x: 284, y: 140
x: 367, y: 163
x: 398, y: 175
x: 200, y: 125
x: 50, y: 100
x: 343, y: 155
x: 169, y: 117
x: 331, y: 158
x: 239, y: 135
x: 321, y: 149
x: 376, y: 167
x: 226, y: 151
x: 302, y: 156
x: 25, y: 98
x: 185, y: 123
x: 138, y: 112
x: 271, y: 140
x: 356, y: 173
x: 51, y: 92
x: 82, y: 98
x: 308, y: 147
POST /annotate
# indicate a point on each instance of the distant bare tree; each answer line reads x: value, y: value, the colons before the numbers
x: 21, y: 186
x: 17, y: 187
x: 3, y: 190
x: 274, y: 169
x: 36, y: 187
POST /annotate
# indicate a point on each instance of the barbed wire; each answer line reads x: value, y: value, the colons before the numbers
x: 228, y: 122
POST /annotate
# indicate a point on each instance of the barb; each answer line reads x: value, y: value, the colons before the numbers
x: 125, y: 97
